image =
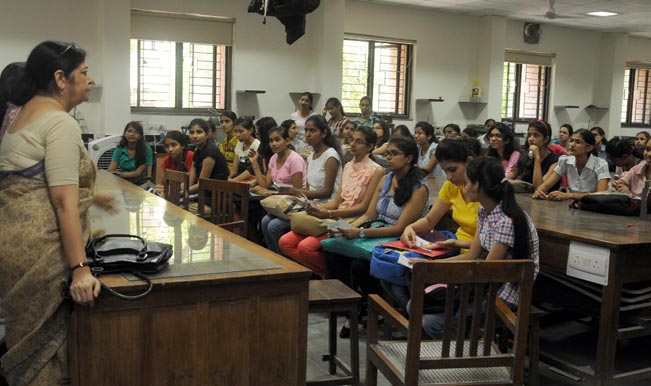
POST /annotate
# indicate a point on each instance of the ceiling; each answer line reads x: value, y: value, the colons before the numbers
x: 634, y: 15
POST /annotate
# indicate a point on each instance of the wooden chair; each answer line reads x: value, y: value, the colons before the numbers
x: 464, y: 359
x: 175, y: 187
x: 220, y: 197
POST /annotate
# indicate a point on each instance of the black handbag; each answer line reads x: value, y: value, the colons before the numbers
x: 613, y: 203
x: 121, y: 253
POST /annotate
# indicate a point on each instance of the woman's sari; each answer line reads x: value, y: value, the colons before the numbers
x: 33, y: 272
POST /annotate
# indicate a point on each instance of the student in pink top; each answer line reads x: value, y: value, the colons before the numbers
x: 503, y: 147
x: 286, y: 167
x: 632, y: 181
x: 360, y: 175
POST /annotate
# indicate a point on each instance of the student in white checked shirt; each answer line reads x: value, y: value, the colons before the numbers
x: 504, y: 230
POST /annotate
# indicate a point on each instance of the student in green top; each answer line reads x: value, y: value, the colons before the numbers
x: 132, y: 157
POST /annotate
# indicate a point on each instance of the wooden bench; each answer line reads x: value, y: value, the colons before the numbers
x: 335, y: 298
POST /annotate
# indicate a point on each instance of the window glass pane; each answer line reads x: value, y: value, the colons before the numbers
x: 627, y: 74
x: 354, y: 73
x: 532, y: 92
x: 508, y: 90
x: 133, y: 72
x: 388, y: 78
x: 198, y: 68
x: 157, y: 64
x: 641, y: 105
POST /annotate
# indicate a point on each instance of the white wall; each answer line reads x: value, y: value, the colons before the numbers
x: 452, y: 51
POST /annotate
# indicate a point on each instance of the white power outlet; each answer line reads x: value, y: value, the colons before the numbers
x: 588, y: 262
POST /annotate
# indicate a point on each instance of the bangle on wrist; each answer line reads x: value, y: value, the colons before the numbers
x: 329, y: 213
x: 80, y: 265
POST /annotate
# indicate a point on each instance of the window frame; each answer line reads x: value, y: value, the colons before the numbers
x: 178, y: 97
x: 630, y: 93
x: 515, y: 114
x: 370, y: 69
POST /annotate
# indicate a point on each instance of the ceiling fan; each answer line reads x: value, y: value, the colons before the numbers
x: 551, y: 12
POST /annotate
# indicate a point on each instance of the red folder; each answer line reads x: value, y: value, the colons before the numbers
x: 433, y: 253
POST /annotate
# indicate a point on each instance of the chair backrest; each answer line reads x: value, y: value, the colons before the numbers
x: 176, y: 186
x: 221, y: 197
x: 472, y: 288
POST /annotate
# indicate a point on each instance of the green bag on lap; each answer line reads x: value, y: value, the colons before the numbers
x: 355, y: 248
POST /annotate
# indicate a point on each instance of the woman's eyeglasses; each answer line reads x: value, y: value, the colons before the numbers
x: 577, y: 142
x: 359, y: 142
x: 392, y: 153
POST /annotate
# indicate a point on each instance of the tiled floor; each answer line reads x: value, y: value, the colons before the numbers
x: 573, y: 341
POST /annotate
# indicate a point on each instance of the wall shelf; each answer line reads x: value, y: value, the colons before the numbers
x: 430, y: 100
x: 595, y: 107
x: 465, y: 103
x: 560, y: 107
x: 250, y: 91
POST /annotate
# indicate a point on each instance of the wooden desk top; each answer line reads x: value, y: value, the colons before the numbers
x: 199, y: 246
x: 555, y: 219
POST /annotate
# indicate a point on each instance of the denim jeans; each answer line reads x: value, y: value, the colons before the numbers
x: 273, y: 228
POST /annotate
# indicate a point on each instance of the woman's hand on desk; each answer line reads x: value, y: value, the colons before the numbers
x: 540, y: 195
x: 558, y: 196
x: 449, y: 243
x: 106, y: 201
x: 85, y: 287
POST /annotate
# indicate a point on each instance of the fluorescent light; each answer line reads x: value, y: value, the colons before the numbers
x: 603, y: 13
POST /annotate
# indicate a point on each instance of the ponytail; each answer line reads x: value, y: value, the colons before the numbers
x: 489, y: 173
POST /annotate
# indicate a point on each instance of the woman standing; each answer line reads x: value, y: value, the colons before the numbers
x: 305, y: 110
x: 132, y: 156
x: 47, y: 183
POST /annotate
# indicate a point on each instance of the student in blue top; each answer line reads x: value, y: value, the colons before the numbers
x: 132, y: 157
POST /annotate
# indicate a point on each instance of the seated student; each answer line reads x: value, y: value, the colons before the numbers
x: 504, y: 230
x: 623, y: 154
x: 178, y: 156
x: 383, y: 134
x: 241, y: 170
x: 346, y: 140
x: 286, y: 167
x: 133, y: 157
x: 600, y: 142
x: 585, y: 172
x: 297, y: 143
x: 454, y: 155
x: 426, y: 141
x: 540, y: 161
x: 400, y: 199
x: 632, y: 181
x: 564, y: 133
x: 503, y: 146
x: 334, y: 113
x: 360, y: 175
x: 262, y: 127
x: 212, y: 131
x: 469, y: 132
x: 451, y: 130
x: 641, y: 139
x: 323, y: 177
x: 228, y: 144
x: 401, y: 131
x: 208, y: 161
x: 485, y: 139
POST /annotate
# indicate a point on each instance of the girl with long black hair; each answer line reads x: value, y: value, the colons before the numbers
x: 132, y: 156
x: 178, y: 156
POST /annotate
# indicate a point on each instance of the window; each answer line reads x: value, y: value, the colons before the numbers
x: 178, y: 76
x: 636, y: 105
x: 525, y: 91
x: 379, y: 69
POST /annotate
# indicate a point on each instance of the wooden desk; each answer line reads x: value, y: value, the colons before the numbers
x: 244, y: 326
x: 629, y: 242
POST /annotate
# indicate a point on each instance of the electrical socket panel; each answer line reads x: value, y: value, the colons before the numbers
x: 588, y: 262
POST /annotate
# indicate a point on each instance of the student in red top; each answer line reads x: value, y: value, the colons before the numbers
x: 178, y: 156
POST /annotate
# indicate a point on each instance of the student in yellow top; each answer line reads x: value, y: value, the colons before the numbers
x: 453, y: 156
x: 227, y: 145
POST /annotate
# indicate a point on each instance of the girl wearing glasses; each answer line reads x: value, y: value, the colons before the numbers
x: 361, y: 175
x: 585, y: 171
x: 133, y: 156
x: 503, y: 147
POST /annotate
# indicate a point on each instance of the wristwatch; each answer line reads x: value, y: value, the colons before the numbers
x: 361, y: 233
